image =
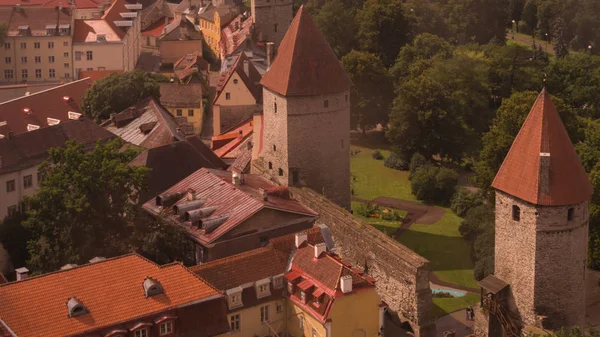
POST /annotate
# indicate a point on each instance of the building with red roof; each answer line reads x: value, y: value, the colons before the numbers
x: 122, y: 296
x: 225, y: 213
x: 83, y: 9
x: 111, y: 42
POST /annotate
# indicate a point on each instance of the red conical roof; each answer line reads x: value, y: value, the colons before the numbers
x: 305, y: 64
x: 543, y: 133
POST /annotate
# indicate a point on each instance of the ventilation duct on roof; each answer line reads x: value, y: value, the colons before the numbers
x: 168, y: 199
x: 74, y: 115
x: 76, y: 307
x: 152, y: 287
x: 68, y: 266
x: 197, y: 214
x: 211, y: 224
x: 97, y: 259
x: 133, y: 6
x: 188, y: 206
x: 123, y: 23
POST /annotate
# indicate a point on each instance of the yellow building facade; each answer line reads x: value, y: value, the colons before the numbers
x: 184, y: 100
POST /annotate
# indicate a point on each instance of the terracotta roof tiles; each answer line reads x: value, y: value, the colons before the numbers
x: 305, y: 64
x: 543, y: 137
x: 111, y: 290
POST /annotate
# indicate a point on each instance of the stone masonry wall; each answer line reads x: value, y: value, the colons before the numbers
x: 516, y: 252
x: 227, y: 117
x: 270, y: 13
x: 560, y: 265
x: 275, y: 133
x: 402, y: 276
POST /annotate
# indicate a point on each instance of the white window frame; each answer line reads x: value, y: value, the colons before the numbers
x: 264, y: 314
x: 235, y: 322
x: 143, y: 332
x: 166, y: 328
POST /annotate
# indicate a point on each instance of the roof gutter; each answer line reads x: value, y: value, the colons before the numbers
x: 8, y: 328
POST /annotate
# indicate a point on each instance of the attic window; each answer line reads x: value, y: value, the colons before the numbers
x: 3, y: 123
x: 52, y: 121
x: 152, y: 287
x: 235, y: 81
x: 516, y: 213
x: 27, y: 111
x: 74, y: 115
x: 31, y: 127
x: 76, y: 307
x: 263, y: 288
x: 234, y: 297
x: 278, y: 281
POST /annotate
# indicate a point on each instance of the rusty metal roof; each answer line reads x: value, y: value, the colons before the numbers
x: 543, y: 134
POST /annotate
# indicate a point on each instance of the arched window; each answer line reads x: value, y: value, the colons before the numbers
x: 516, y: 213
x: 280, y: 172
x: 570, y: 214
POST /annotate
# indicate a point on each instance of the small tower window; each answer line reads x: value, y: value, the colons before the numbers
x: 235, y: 81
x: 270, y: 166
x: 275, y: 107
x: 274, y: 147
x: 280, y: 172
x: 275, y: 28
x: 516, y: 213
x: 326, y: 103
x: 570, y: 213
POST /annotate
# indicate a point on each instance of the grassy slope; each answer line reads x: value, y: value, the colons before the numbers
x: 443, y: 306
x: 440, y: 243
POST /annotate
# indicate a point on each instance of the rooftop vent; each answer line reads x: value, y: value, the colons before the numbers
x: 125, y: 23
x: 76, y: 307
x: 52, y: 121
x: 187, y: 206
x: 31, y: 127
x: 147, y: 127
x: 211, y: 224
x: 128, y: 15
x: 191, y: 194
x: 168, y: 199
x: 68, y: 266
x: 152, y: 287
x: 133, y: 6
x: 319, y: 249
x: 197, y: 214
x: 27, y: 111
x: 97, y: 259
x: 300, y: 238
x: 74, y: 115
x: 101, y: 38
x: 3, y: 123
x: 237, y: 178
x: 67, y: 99
x: 22, y: 273
x: 346, y: 283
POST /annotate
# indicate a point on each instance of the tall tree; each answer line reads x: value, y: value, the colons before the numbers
x: 117, y: 92
x: 442, y: 110
x: 529, y: 16
x: 383, y: 28
x: 480, y: 21
x: 84, y: 208
x: 339, y: 26
x: 559, y: 38
x: 428, y: 17
x: 372, y: 92
x: 505, y: 126
x: 422, y: 53
x: 515, y: 11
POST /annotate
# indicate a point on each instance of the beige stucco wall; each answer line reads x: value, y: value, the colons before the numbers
x: 294, y: 328
x: 356, y: 315
x: 107, y: 55
x: 62, y: 56
x: 8, y: 199
x: 250, y: 324
x: 197, y: 119
x: 239, y: 93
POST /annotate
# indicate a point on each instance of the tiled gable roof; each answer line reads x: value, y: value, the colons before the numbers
x: 111, y: 290
x: 31, y: 148
x: 251, y: 80
x: 305, y: 64
x: 42, y: 105
x: 36, y: 19
x: 234, y: 35
x: 543, y: 137
x: 175, y: 95
x: 180, y: 29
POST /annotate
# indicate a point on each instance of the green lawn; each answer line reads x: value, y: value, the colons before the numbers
x: 443, y: 306
x: 440, y: 243
x: 372, y: 179
x: 388, y: 227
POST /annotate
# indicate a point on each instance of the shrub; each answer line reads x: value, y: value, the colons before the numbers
x: 366, y: 210
x: 390, y: 216
x: 463, y: 200
x: 395, y: 162
x: 442, y: 294
x: 416, y: 161
x: 377, y: 155
x: 432, y: 184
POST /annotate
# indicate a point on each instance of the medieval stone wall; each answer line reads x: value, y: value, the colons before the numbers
x: 561, y: 260
x: 516, y: 251
x: 402, y: 276
x: 275, y: 136
x: 272, y: 18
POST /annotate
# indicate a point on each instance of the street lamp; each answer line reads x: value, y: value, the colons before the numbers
x: 513, y: 29
x: 590, y: 48
x: 546, y: 42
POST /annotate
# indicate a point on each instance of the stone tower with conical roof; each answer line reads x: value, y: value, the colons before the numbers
x: 271, y: 19
x: 542, y: 214
x: 305, y: 132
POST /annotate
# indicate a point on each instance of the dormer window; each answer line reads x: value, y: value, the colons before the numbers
x: 74, y: 115
x: 302, y: 296
x: 516, y: 213
x: 234, y: 297
x: 152, y: 287
x: 76, y: 307
x: 278, y: 282
x: 263, y: 288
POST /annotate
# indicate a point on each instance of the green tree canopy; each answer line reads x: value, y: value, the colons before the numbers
x: 383, y: 28
x: 372, y: 91
x: 443, y: 110
x: 505, y: 126
x: 479, y: 21
x: 338, y: 25
x: 117, y: 92
x: 422, y: 53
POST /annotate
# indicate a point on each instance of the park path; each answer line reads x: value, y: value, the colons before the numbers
x: 526, y: 39
x: 456, y: 321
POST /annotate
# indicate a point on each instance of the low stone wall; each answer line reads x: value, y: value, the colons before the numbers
x: 402, y: 276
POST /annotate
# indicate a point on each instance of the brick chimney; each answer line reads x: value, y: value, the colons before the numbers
x: 319, y: 249
x: 191, y: 194
x: 300, y: 238
x: 22, y: 273
x: 237, y: 178
x: 346, y: 284
x: 544, y: 183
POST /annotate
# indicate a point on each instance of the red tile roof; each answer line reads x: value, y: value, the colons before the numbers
x: 79, y: 4
x: 519, y: 175
x: 42, y: 105
x: 305, y: 64
x: 111, y: 290
x: 156, y: 28
x: 234, y: 203
x: 88, y: 31
x: 190, y: 63
x: 36, y: 18
x: 232, y: 139
x: 234, y: 35
x: 96, y: 75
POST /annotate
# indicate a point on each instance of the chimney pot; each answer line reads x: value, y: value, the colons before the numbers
x: 346, y: 283
x: 191, y: 194
x: 237, y: 178
x: 22, y: 273
x: 300, y: 238
x: 319, y: 249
